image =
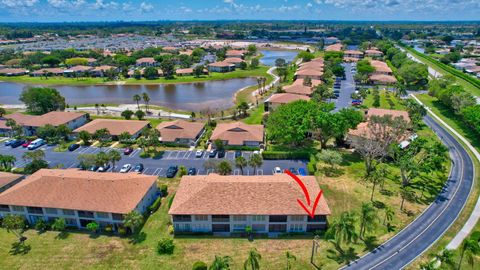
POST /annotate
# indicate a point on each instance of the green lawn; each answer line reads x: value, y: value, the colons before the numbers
x: 256, y: 116
x: 384, y: 104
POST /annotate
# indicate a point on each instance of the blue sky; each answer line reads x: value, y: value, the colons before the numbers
x: 127, y: 10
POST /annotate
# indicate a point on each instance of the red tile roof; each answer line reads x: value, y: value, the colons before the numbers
x: 7, y: 178
x: 115, y: 127
x: 179, y: 129
x: 237, y: 133
x: 284, y: 98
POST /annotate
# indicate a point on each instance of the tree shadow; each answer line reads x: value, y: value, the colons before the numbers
x: 379, y: 204
x: 20, y: 248
x: 371, y: 242
x: 62, y: 235
x: 347, y: 256
x: 138, y: 238
x: 333, y: 172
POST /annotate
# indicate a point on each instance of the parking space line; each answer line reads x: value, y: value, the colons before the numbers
x: 72, y: 165
x: 170, y: 153
x: 187, y: 155
x: 159, y: 172
x: 134, y: 153
x: 178, y: 153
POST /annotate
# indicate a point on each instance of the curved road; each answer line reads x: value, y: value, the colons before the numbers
x: 424, y: 231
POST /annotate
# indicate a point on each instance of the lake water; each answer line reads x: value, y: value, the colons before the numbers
x: 269, y: 57
x: 188, y: 96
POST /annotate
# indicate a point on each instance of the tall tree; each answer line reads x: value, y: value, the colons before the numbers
x: 146, y: 99
x: 137, y: 99
x: 14, y: 224
x: 470, y: 248
x: 368, y: 219
x: 343, y: 231
x: 133, y: 220
x: 241, y: 162
x: 114, y: 156
x: 224, y: 168
x: 41, y: 100
x: 255, y: 161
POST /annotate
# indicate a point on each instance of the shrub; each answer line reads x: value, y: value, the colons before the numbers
x: 108, y: 229
x: 155, y: 205
x: 312, y: 165
x: 182, y: 171
x: 285, y: 155
x: 122, y: 231
x: 41, y: 225
x: 164, y: 190
x: 199, y: 266
x: 165, y: 246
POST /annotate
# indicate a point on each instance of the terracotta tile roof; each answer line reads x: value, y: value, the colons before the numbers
x: 350, y: 59
x: 337, y: 47
x: 284, y: 98
x: 145, y: 60
x: 7, y: 178
x: 383, y: 78
x: 79, y: 68
x: 235, y: 52
x: 115, y: 127
x: 244, y: 195
x: 221, y: 64
x: 234, y: 60
x: 52, y: 118
x: 48, y: 70
x: 3, y: 124
x: 380, y: 66
x: 179, y: 129
x: 184, y: 71
x: 383, y: 112
x: 80, y: 190
x: 353, y: 52
x: 13, y: 71
x: 373, y: 52
x: 237, y: 133
x: 103, y: 68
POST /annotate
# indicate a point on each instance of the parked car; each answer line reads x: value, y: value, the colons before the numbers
x: 302, y: 172
x: 36, y: 144
x: 104, y: 168
x: 199, y: 154
x: 138, y: 168
x: 192, y: 171
x: 293, y: 170
x: 277, y: 170
x: 221, y: 153
x: 356, y: 102
x: 17, y: 143
x: 8, y: 142
x: 238, y: 153
x: 73, y: 147
x: 93, y: 168
x: 26, y: 143
x: 127, y: 151
x: 125, y: 168
x: 212, y: 153
x: 172, y: 171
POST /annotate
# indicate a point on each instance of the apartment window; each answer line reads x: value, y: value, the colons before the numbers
x: 18, y: 208
x: 117, y: 216
x: 35, y: 210
x: 182, y: 218
x: 103, y: 215
x: 221, y: 227
x: 297, y: 218
x: 85, y: 214
x: 259, y: 218
x: 277, y: 227
x: 182, y: 227
x: 220, y: 218
x: 278, y: 219
x: 296, y: 228
x: 4, y: 208
x: 51, y: 211
x: 239, y: 218
x: 200, y: 227
x: 258, y: 227
x: 239, y: 227
x: 201, y: 217
x: 320, y: 218
x: 315, y: 227
x: 67, y: 212
x: 71, y: 221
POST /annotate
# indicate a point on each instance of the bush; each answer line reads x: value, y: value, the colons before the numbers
x: 312, y: 165
x: 41, y: 225
x: 199, y: 266
x: 108, y: 229
x: 285, y: 155
x: 155, y: 205
x: 165, y: 246
x: 164, y: 190
x: 182, y: 171
x: 122, y: 231
x: 241, y: 148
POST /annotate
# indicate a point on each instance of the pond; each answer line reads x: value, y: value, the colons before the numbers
x: 269, y: 56
x: 188, y: 96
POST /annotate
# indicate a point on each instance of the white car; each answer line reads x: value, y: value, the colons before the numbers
x: 125, y: 168
x: 256, y: 152
x: 198, y: 154
x: 277, y: 170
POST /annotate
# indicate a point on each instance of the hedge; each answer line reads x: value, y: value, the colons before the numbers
x: 241, y: 148
x: 312, y: 165
x: 155, y: 205
x: 285, y: 155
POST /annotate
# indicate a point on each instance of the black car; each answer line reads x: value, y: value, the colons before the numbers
x: 17, y: 143
x: 138, y: 168
x: 238, y: 153
x: 221, y: 153
x: 192, y: 171
x: 73, y: 147
x: 293, y: 170
x: 93, y: 168
x: 172, y: 171
x: 104, y: 168
x: 212, y: 153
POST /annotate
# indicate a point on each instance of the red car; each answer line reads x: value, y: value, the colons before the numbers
x: 25, y: 145
x: 127, y: 151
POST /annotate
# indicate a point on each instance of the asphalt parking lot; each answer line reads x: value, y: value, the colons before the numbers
x: 152, y: 166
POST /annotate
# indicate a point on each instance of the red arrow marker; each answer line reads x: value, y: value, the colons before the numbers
x: 307, y: 195
x: 315, y: 204
x: 302, y: 185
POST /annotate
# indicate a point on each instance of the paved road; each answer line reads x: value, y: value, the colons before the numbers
x: 429, y: 227
x: 347, y: 87
x: 152, y: 166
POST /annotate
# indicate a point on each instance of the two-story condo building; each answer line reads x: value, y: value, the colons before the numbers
x: 80, y: 197
x: 226, y: 205
x: 239, y: 134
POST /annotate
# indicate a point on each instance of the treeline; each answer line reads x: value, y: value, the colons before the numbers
x: 454, y: 97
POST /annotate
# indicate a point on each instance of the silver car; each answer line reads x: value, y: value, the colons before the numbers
x: 125, y: 168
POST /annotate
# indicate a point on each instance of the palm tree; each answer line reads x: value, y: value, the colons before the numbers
x: 137, y: 99
x: 446, y: 257
x: 133, y: 219
x: 85, y: 137
x: 221, y: 263
x: 343, y: 230
x: 7, y: 162
x: 114, y: 156
x: 241, y: 162
x: 368, y: 218
x: 146, y: 99
x: 252, y: 261
x: 470, y: 247
x: 255, y: 161
x: 389, y: 213
x: 290, y: 257
x: 224, y: 168
x: 34, y: 155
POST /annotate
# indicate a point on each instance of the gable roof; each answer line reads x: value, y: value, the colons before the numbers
x: 284, y: 98
x: 179, y: 129
x: 237, y: 133
x: 115, y: 127
x: 244, y: 195
x: 7, y: 178
x: 380, y: 66
x: 393, y: 113
x: 80, y: 190
x: 52, y: 118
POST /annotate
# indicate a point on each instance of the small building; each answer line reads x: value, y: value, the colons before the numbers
x: 80, y: 197
x: 31, y: 123
x: 180, y: 132
x: 100, y: 71
x: 77, y: 71
x: 146, y: 62
x: 13, y: 71
x: 115, y: 127
x: 221, y: 67
x: 382, y: 74
x: 227, y: 205
x: 184, y: 72
x: 373, y: 53
x: 352, y: 56
x: 235, y: 54
x: 235, y: 60
x: 239, y: 134
x: 276, y: 100
x: 298, y: 87
x: 337, y: 47
x: 47, y: 72
x: 8, y: 180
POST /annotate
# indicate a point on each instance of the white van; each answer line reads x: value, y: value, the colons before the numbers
x: 35, y: 144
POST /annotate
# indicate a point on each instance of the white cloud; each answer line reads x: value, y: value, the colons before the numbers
x: 99, y: 4
x: 146, y: 7
x: 18, y: 3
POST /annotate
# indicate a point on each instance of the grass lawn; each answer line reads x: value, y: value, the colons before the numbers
x: 454, y: 121
x: 384, y: 104
x: 256, y: 116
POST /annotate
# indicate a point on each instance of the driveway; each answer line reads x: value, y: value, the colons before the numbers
x: 347, y: 88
